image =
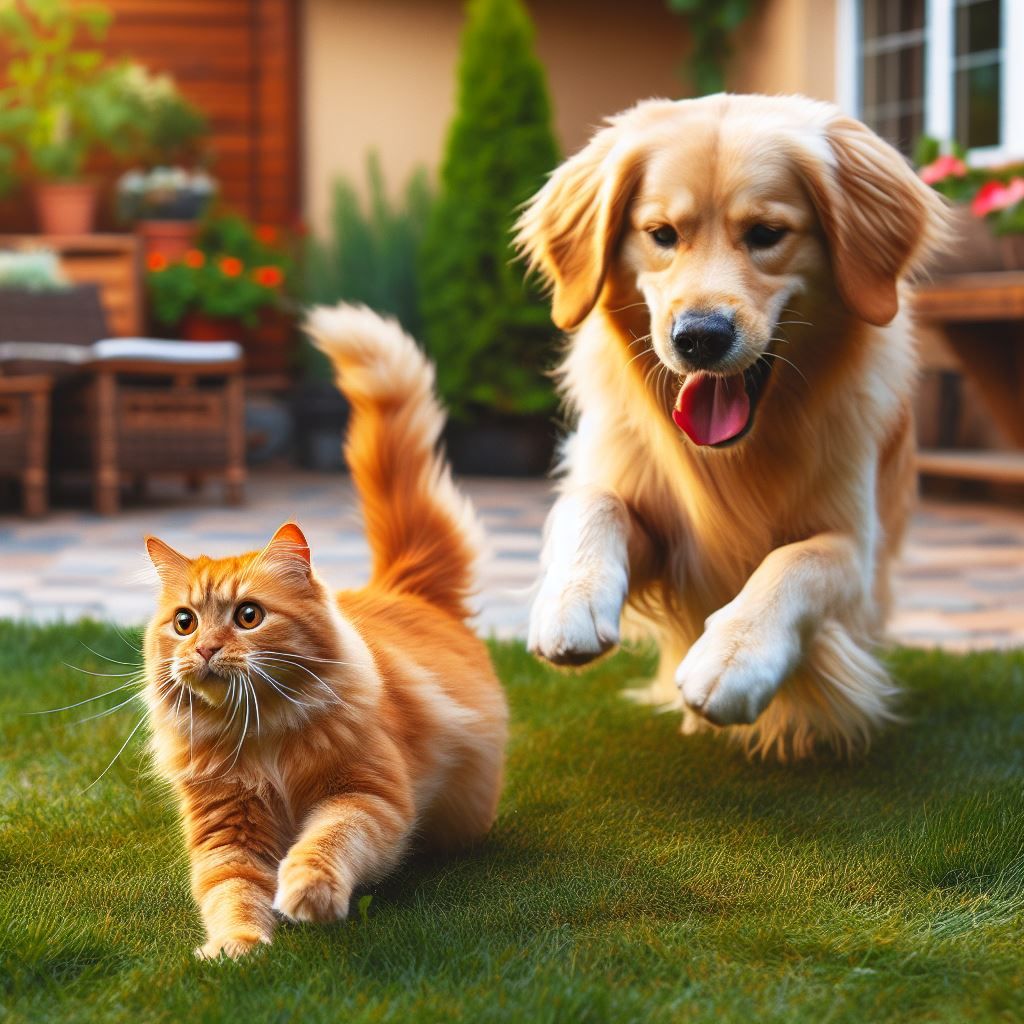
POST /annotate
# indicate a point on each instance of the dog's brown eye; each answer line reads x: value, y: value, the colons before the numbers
x: 185, y: 622
x: 761, y: 236
x: 664, y: 236
x: 248, y: 615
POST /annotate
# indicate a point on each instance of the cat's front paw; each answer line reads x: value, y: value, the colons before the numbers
x: 306, y: 892
x: 232, y: 946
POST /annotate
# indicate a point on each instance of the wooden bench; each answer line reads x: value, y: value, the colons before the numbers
x: 981, y: 320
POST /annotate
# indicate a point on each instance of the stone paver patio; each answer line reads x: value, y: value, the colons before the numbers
x: 960, y: 584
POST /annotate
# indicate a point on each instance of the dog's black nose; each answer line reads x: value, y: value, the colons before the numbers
x: 703, y: 339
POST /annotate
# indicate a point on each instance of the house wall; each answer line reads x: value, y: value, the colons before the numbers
x: 787, y: 46
x: 380, y: 74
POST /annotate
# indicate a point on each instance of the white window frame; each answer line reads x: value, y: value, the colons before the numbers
x: 938, y: 73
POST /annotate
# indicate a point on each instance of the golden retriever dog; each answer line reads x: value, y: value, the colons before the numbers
x: 740, y: 370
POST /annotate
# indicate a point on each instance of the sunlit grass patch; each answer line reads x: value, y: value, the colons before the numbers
x: 632, y: 875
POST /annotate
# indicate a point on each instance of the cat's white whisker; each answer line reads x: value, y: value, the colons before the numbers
x: 78, y: 704
x: 304, y: 668
x: 109, y: 711
x: 113, y: 661
x: 308, y: 657
x: 255, y: 704
x: 138, y: 724
x: 277, y: 686
x: 101, y: 675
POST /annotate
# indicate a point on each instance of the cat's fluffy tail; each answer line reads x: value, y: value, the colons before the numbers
x: 423, y: 534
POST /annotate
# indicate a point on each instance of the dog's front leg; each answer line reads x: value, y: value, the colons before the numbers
x: 751, y: 645
x: 585, y: 577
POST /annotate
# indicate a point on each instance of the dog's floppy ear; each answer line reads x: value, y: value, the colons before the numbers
x: 881, y: 220
x: 568, y: 229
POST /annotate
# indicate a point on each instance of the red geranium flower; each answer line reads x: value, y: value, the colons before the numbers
x: 156, y: 261
x: 230, y: 266
x: 947, y: 166
x: 269, y: 277
x: 994, y: 195
x: 194, y: 258
x: 266, y: 234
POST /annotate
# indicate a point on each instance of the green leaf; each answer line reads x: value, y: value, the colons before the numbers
x: 364, y: 907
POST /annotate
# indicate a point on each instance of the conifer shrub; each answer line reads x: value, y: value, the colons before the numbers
x: 487, y: 329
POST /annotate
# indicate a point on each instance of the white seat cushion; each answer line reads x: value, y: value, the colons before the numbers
x: 44, y: 352
x: 162, y: 351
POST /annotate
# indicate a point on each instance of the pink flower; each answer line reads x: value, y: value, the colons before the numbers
x: 994, y: 195
x: 947, y: 166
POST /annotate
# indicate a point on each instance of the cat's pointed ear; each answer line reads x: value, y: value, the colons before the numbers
x: 288, y: 546
x: 171, y: 566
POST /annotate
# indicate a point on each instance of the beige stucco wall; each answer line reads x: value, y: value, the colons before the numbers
x: 787, y: 46
x: 380, y: 74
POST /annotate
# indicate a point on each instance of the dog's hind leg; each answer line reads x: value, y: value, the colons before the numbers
x: 661, y: 692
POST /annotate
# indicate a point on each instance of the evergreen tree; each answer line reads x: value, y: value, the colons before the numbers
x: 489, y: 331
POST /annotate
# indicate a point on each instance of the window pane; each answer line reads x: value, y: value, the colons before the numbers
x: 977, y: 27
x: 892, y: 69
x: 977, y: 106
x: 911, y: 15
x: 977, y: 72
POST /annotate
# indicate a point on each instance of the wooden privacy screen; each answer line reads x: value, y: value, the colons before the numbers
x: 237, y: 60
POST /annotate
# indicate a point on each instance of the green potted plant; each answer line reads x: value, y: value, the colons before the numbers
x: 488, y: 331
x: 60, y: 104
x: 233, y: 285
x: 168, y: 191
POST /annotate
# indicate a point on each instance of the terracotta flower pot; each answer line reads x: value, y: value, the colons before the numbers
x: 66, y: 207
x: 168, y: 238
x: 198, y: 326
x: 268, y: 346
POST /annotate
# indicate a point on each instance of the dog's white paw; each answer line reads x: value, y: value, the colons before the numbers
x: 576, y: 620
x: 737, y: 665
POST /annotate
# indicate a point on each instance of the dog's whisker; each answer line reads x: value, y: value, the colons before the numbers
x: 775, y: 355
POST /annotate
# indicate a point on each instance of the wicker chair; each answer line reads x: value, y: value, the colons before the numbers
x: 127, y: 408
x: 24, y: 436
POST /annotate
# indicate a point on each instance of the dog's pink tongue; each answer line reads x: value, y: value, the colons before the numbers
x: 710, y: 409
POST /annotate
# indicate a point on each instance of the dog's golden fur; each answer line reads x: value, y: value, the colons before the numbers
x: 762, y: 567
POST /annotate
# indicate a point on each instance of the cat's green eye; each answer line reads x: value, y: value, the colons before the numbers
x: 248, y: 615
x: 185, y: 622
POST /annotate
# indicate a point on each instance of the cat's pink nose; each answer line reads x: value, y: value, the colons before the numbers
x: 206, y: 653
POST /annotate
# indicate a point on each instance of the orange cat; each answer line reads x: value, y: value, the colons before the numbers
x: 311, y: 737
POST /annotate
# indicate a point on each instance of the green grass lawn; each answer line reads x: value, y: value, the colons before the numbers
x: 632, y: 875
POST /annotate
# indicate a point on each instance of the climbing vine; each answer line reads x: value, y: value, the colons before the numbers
x: 712, y: 24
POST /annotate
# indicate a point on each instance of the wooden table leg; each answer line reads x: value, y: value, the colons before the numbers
x: 106, y: 478
x: 35, y: 479
x: 234, y: 475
